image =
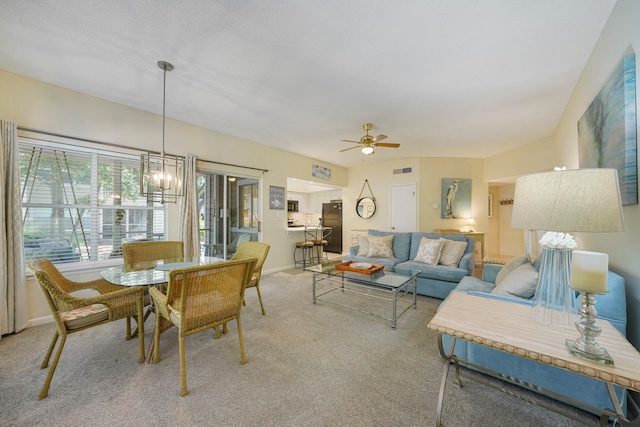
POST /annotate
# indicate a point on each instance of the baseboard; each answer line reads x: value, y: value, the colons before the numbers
x: 39, y: 321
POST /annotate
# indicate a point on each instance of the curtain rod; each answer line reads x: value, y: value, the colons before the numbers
x: 231, y: 164
x: 111, y: 144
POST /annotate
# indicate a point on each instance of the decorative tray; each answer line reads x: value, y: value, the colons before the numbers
x: 360, y: 267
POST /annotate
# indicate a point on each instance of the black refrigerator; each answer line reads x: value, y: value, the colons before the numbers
x: 332, y: 217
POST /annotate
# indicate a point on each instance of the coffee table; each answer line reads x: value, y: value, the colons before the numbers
x: 393, y: 286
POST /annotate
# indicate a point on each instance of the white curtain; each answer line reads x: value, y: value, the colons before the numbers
x: 189, y: 231
x: 13, y: 295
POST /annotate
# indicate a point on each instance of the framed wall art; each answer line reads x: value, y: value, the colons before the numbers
x: 456, y: 198
x: 276, y: 197
x: 607, y: 130
x: 320, y: 172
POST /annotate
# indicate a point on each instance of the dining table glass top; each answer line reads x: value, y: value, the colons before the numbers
x: 151, y: 272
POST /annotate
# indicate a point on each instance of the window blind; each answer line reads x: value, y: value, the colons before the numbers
x: 82, y: 203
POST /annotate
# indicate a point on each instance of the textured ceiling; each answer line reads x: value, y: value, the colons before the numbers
x: 442, y: 78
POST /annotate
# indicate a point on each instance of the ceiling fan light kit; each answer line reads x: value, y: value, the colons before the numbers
x: 368, y: 142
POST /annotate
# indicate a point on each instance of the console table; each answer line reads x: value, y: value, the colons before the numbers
x: 473, y: 318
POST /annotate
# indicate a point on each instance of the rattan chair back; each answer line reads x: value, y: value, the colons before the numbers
x: 259, y: 251
x: 141, y: 252
x: 200, y: 298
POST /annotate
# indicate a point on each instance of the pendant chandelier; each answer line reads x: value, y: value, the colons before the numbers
x: 161, y: 176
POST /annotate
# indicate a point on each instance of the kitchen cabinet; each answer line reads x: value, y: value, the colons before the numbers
x: 318, y: 198
x: 303, y: 200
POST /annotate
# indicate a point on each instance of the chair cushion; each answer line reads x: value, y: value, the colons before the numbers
x: 253, y: 281
x: 84, y: 316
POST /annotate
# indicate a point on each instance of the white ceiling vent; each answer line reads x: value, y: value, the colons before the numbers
x: 401, y: 171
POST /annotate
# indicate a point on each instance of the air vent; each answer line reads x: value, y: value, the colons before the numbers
x: 402, y: 171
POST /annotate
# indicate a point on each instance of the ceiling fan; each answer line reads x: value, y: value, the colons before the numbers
x: 368, y: 142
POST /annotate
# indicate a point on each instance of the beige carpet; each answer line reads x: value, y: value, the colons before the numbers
x: 308, y: 365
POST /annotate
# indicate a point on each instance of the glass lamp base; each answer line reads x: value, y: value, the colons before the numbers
x: 553, y: 300
x: 603, y: 358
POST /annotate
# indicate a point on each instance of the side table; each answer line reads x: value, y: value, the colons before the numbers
x: 468, y: 317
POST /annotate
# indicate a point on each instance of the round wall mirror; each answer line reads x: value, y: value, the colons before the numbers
x: 366, y: 207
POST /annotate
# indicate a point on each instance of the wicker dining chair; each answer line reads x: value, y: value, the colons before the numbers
x: 73, y: 314
x: 134, y: 253
x: 138, y: 252
x: 200, y: 298
x: 259, y: 251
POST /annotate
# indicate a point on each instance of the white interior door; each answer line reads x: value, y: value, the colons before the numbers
x: 403, y: 216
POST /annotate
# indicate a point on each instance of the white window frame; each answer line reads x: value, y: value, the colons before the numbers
x: 94, y: 150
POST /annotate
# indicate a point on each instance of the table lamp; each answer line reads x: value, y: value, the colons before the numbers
x: 589, y: 277
x: 470, y: 224
x: 578, y: 200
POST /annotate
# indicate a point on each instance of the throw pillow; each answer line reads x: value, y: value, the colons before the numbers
x: 429, y: 251
x: 510, y: 266
x: 363, y: 245
x: 452, y: 251
x: 380, y: 246
x: 521, y: 282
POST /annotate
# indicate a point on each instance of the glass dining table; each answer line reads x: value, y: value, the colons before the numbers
x: 151, y: 273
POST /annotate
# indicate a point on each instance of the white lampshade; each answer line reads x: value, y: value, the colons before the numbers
x: 582, y: 200
x: 471, y: 222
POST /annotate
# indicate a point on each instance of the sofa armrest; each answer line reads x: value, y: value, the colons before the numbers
x: 490, y: 271
x: 467, y: 262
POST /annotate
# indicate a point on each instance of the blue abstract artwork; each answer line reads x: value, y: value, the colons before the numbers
x: 607, y: 130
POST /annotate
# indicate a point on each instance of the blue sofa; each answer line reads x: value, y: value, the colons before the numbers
x: 434, y: 280
x: 611, y: 306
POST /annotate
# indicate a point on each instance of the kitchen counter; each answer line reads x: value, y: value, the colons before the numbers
x: 301, y: 227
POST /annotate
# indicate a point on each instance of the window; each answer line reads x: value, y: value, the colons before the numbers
x: 228, y: 207
x: 81, y: 203
x: 249, y: 204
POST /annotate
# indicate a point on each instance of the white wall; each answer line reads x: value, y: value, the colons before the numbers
x: 427, y: 174
x: 621, y: 32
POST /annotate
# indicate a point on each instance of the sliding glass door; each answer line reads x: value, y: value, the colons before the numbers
x: 229, y: 212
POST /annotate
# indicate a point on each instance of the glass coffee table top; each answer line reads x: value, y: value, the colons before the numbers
x: 389, y: 277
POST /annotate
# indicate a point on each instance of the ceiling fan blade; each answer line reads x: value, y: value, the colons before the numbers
x: 387, y: 145
x: 348, y: 140
x: 350, y: 148
x: 380, y: 138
